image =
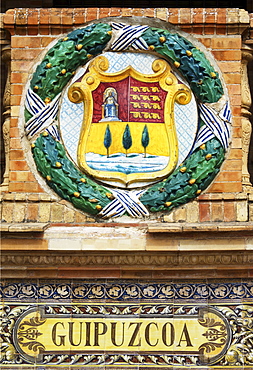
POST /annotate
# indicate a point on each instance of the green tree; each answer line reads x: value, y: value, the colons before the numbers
x: 107, y: 139
x: 127, y: 139
x: 145, y: 139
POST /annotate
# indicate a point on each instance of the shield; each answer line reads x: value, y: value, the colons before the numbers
x: 128, y: 136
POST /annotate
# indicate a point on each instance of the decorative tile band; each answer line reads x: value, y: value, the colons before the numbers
x: 126, y: 324
x: 144, y: 335
x: 126, y: 291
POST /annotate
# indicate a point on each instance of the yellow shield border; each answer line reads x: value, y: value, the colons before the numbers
x: 82, y: 92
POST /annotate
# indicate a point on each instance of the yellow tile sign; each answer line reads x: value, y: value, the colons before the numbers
x: 202, y: 332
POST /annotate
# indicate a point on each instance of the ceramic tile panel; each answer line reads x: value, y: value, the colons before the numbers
x: 89, y: 324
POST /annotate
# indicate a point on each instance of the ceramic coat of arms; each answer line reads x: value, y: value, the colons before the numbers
x: 127, y: 119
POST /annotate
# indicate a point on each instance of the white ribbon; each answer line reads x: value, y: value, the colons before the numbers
x: 215, y: 124
x: 125, y: 201
x: 43, y: 114
x: 128, y: 36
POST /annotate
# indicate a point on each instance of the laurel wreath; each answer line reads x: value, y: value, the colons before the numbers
x: 57, y: 68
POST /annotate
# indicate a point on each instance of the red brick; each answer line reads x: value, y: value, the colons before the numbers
x: 216, y: 211
x: 56, y: 31
x: 205, y: 196
x: 65, y: 29
x: 209, y: 30
x: 44, y: 30
x: 79, y: 16
x: 16, y: 89
x: 33, y: 16
x: 204, y: 212
x: 55, y: 16
x: 230, y: 67
x: 16, y: 78
x: 27, y: 187
x: 232, y: 78
x: 221, y: 16
x: 210, y: 15
x: 20, y: 176
x: 237, y: 132
x: 80, y: 218
x: 103, y: 13
x: 44, y: 16
x: 14, y: 124
x: 138, y: 12
x: 149, y: 12
x: 197, y: 15
x: 237, y: 122
x: 197, y: 30
x: 9, y: 16
x: 185, y: 15
x: 32, y: 212
x: 19, y: 77
x: 91, y: 14
x: 221, y: 30
x: 15, y: 143
x: 32, y: 30
x: 235, y: 100
x: 235, y: 154
x: 227, y: 54
x: 173, y: 15
x: 226, y: 43
x: 19, y: 166
x: 45, y: 41
x: 14, y: 132
x: 67, y: 16
x: 205, y: 41
x: 21, y: 66
x: 233, y: 29
x: 15, y: 99
x: 232, y: 165
x: 25, y: 42
x: 115, y: 12
x: 234, y: 89
x: 229, y: 176
x: 232, y: 187
x: 126, y: 12
x: 229, y: 211
x: 216, y: 196
x: 236, y: 111
x: 21, y: 30
x: 17, y: 54
x: 17, y: 154
x: 187, y: 29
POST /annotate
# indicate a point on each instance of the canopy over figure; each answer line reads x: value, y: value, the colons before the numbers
x: 110, y: 105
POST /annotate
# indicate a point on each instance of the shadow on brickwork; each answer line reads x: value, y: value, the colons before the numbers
x: 250, y: 159
x: 2, y: 86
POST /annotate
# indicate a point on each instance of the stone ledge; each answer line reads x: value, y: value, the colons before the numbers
x: 200, y: 227
x: 163, y: 265
x: 24, y: 227
x: 165, y: 227
x: 27, y: 197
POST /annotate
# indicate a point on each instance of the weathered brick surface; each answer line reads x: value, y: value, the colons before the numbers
x: 219, y: 30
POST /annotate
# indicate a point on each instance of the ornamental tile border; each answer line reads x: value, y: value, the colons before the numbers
x: 223, y: 309
x: 125, y: 291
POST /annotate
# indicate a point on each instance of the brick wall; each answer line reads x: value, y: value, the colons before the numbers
x: 32, y: 30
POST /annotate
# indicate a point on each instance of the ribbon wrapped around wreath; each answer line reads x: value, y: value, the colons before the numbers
x: 42, y: 103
